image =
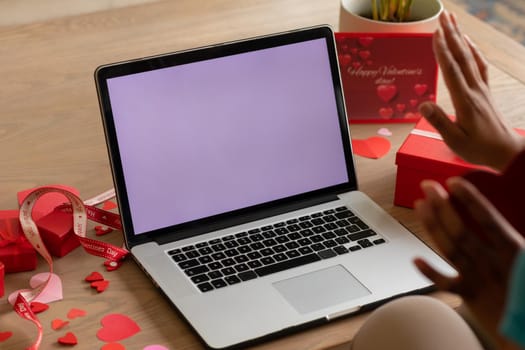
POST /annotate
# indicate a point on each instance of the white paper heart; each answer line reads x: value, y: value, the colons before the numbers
x: 52, y: 292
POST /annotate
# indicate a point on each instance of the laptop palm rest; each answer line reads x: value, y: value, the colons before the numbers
x: 321, y: 289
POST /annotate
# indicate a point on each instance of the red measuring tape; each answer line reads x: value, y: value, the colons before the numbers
x: 81, y: 213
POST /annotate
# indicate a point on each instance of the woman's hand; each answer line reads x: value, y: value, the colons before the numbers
x: 478, y: 241
x: 479, y: 134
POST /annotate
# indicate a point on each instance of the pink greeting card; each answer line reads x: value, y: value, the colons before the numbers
x: 386, y: 76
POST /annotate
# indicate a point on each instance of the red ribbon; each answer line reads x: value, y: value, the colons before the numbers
x: 80, y: 213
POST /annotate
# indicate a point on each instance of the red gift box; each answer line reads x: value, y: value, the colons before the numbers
x: 1, y: 279
x: 16, y: 253
x: 56, y: 230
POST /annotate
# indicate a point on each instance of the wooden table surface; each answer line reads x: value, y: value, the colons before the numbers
x: 51, y: 133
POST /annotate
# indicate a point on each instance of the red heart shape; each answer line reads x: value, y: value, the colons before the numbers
x: 365, y: 41
x: 68, y: 339
x: 400, y: 107
x: 37, y: 307
x: 74, y: 313
x: 113, y: 346
x: 116, y: 327
x: 373, y: 147
x: 108, y: 205
x: 356, y: 65
x: 386, y: 112
x: 420, y: 89
x: 413, y: 102
x: 112, y: 265
x: 102, y: 230
x: 58, y: 323
x: 94, y: 276
x: 345, y: 59
x: 5, y: 335
x: 100, y: 286
x: 386, y: 92
x: 364, y: 54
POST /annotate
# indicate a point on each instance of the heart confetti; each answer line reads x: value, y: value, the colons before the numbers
x: 100, y: 286
x: 384, y: 132
x: 93, y: 277
x: 108, y: 205
x: 57, y: 324
x: 373, y: 147
x: 112, y: 265
x: 102, y: 230
x: 37, y: 307
x: 116, y: 327
x: 68, y: 339
x: 5, y: 335
x: 74, y: 313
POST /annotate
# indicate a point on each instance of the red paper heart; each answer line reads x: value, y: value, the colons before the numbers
x: 108, y: 205
x: 100, y: 286
x: 386, y: 113
x: 373, y: 147
x: 386, y: 92
x: 94, y: 276
x: 116, y: 327
x: 74, y: 313
x: 112, y: 265
x: 37, y: 307
x: 113, y: 346
x: 5, y: 335
x: 102, y: 230
x: 365, y: 41
x: 58, y: 324
x: 364, y: 54
x: 68, y: 339
x: 420, y: 89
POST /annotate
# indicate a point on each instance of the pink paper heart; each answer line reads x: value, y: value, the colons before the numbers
x: 155, y: 347
x: 52, y: 292
x: 116, y: 327
x: 386, y: 92
x: 373, y: 147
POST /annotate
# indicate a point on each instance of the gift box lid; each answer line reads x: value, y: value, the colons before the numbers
x: 56, y: 222
x: 425, y: 149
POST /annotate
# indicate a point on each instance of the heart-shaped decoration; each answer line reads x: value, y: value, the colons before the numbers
x: 384, y: 132
x: 5, y: 335
x: 386, y: 112
x: 369, y: 62
x: 112, y: 265
x: 68, y: 339
x: 100, y: 286
x: 365, y: 41
x: 386, y: 92
x: 94, y: 276
x: 74, y: 313
x: 364, y: 54
x: 356, y: 65
x: 108, y: 205
x: 410, y: 115
x: 420, y: 89
x: 58, y: 324
x: 345, y: 59
x: 413, y: 102
x: 354, y: 50
x: 102, y: 230
x: 373, y: 147
x: 52, y: 292
x: 113, y: 346
x: 400, y: 107
x: 116, y: 327
x: 37, y: 307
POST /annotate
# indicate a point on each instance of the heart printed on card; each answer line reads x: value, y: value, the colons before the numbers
x: 386, y: 92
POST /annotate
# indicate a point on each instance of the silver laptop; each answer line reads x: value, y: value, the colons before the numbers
x: 236, y: 183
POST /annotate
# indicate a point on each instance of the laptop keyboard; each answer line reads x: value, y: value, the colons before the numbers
x: 246, y: 255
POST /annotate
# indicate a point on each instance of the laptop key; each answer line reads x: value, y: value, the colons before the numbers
x: 365, y: 243
x: 360, y: 235
x: 288, y: 264
x: 228, y: 271
x: 326, y: 254
x: 219, y: 283
x: 248, y: 275
x: 205, y: 287
x: 341, y: 250
x: 174, y: 251
x: 292, y: 254
x: 196, y: 270
x: 232, y: 279
x: 354, y: 248
x: 218, y: 256
x: 343, y: 214
x: 254, y: 264
x: 189, y: 263
x: 358, y: 222
x: 267, y: 260
x: 305, y: 250
x: 379, y: 241
x: 200, y: 279
x: 241, y: 267
x: 179, y: 257
x: 214, y: 274
x: 192, y: 254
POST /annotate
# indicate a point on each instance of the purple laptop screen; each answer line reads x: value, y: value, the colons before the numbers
x: 213, y: 136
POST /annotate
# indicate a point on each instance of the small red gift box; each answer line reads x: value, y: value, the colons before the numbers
x: 56, y: 230
x: 16, y: 253
x: 1, y: 279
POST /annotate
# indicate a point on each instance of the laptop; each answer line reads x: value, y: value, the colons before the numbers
x: 236, y: 184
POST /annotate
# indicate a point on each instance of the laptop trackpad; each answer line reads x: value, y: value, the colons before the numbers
x: 320, y: 289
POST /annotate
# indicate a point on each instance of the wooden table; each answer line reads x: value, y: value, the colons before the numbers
x: 51, y: 133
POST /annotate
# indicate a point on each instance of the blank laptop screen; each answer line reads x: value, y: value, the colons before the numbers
x: 213, y: 136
